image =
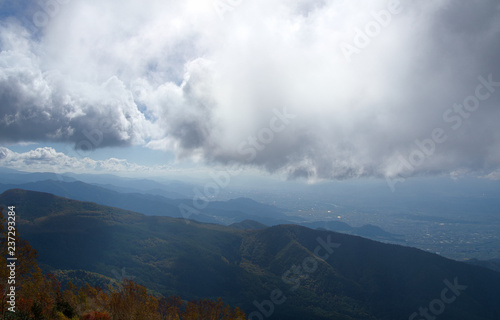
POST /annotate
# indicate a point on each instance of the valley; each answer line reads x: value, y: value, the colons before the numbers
x: 284, y: 271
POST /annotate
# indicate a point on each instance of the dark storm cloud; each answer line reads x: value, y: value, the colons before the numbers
x: 365, y: 85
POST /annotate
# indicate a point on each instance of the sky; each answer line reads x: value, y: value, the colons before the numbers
x: 311, y: 90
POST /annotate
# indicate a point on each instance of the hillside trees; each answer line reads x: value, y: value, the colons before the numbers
x: 41, y: 297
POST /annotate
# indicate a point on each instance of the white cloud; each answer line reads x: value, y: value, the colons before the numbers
x: 49, y: 160
x: 174, y: 76
x: 495, y: 175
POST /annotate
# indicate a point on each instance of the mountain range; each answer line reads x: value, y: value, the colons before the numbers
x: 148, y: 197
x: 278, y: 272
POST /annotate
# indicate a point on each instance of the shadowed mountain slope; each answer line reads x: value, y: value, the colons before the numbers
x: 285, y: 271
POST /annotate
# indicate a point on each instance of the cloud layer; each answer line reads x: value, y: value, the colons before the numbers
x: 365, y: 86
x: 49, y: 160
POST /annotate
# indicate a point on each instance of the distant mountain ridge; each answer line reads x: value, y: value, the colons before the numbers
x: 216, y: 212
x: 367, y: 231
x: 340, y: 276
x: 171, y: 189
x: 221, y: 212
x: 149, y: 197
x: 493, y: 264
x: 15, y: 177
x: 248, y: 225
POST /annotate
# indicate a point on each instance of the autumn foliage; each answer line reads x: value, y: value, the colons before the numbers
x: 41, y: 297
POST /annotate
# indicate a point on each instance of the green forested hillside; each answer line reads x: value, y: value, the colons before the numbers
x: 281, y: 272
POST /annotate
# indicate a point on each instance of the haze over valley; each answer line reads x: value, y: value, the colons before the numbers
x: 258, y: 160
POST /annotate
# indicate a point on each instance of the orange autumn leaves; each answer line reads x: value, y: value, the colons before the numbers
x: 41, y: 297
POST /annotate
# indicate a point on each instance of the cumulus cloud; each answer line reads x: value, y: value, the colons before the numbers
x: 49, y: 160
x: 40, y: 105
x: 366, y: 84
